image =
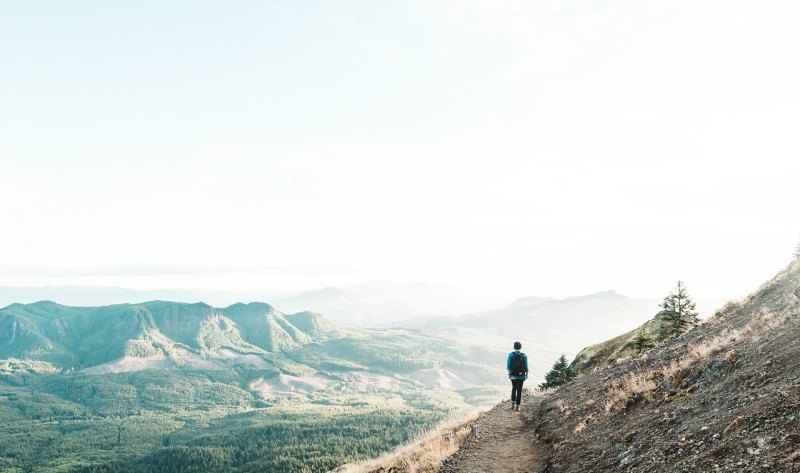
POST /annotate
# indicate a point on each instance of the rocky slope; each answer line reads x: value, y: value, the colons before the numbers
x: 723, y: 397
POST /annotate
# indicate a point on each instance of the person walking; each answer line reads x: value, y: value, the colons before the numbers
x: 517, y: 366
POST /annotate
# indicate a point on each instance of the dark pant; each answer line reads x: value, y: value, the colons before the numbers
x: 516, y: 390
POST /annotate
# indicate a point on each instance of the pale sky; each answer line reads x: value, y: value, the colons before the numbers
x: 532, y: 147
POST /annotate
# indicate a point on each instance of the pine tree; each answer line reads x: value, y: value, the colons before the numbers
x: 797, y: 250
x: 642, y: 342
x: 560, y: 373
x: 678, y: 315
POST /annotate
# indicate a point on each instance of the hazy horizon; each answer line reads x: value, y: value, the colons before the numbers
x: 373, y: 303
x: 513, y: 147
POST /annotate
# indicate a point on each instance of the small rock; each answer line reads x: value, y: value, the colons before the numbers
x: 753, y: 451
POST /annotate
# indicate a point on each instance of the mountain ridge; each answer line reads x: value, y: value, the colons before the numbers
x: 88, y: 336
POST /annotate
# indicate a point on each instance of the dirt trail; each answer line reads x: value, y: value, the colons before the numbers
x: 502, y: 442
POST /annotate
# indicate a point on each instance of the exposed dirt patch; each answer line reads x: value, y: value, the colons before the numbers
x: 502, y: 440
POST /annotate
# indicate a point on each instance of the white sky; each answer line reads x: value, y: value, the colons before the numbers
x: 539, y: 147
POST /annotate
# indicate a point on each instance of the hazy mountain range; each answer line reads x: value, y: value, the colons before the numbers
x: 357, y: 304
x: 254, y: 336
x: 375, y: 303
x: 547, y: 326
x: 80, y: 337
x: 136, y: 379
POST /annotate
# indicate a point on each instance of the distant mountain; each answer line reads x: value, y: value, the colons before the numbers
x: 283, y: 353
x: 378, y: 302
x: 364, y: 304
x: 88, y: 336
x: 548, y: 327
x: 273, y: 331
x: 109, y: 295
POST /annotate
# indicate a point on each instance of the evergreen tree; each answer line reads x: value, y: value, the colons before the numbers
x: 642, y: 342
x: 677, y: 315
x: 560, y: 373
x: 797, y: 250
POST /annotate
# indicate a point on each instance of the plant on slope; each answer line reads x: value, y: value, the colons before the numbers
x: 642, y: 342
x: 677, y: 315
x: 559, y: 374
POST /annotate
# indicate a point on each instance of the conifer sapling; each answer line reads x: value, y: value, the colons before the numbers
x: 561, y: 373
x: 677, y: 315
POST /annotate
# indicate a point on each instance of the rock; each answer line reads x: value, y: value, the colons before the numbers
x: 734, y: 426
x: 624, y: 458
x: 753, y: 451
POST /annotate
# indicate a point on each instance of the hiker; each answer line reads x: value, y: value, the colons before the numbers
x: 517, y: 366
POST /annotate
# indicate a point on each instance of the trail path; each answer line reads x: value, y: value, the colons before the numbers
x: 504, y: 443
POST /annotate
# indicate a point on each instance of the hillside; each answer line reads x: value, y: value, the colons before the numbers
x: 609, y: 352
x: 723, y: 397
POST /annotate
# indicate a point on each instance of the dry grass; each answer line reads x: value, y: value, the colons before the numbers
x: 643, y: 384
x: 582, y: 425
x: 423, y: 455
x: 633, y: 385
x: 792, y: 457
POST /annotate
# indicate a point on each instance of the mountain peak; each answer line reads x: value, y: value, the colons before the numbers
x: 251, y: 306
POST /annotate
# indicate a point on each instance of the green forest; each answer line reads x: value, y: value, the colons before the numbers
x: 171, y: 421
x: 173, y: 387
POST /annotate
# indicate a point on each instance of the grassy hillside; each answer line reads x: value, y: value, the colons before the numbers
x: 723, y: 397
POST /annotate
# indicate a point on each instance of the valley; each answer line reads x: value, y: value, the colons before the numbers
x: 164, y: 386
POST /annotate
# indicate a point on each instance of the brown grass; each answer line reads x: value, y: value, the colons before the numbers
x: 423, y: 455
x: 633, y: 384
x: 792, y: 457
x: 645, y: 383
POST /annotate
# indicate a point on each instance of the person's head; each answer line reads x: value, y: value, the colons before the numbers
x: 517, y: 346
